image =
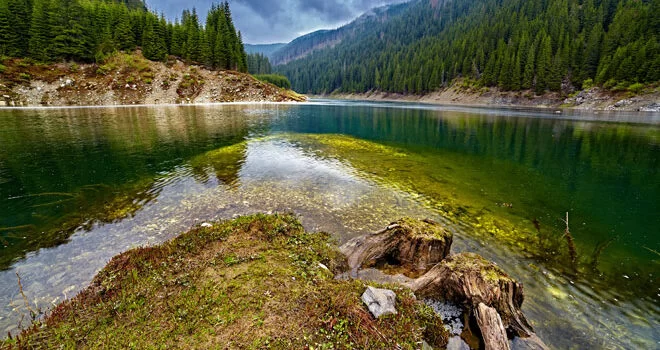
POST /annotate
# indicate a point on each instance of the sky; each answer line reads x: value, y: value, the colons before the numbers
x: 274, y: 21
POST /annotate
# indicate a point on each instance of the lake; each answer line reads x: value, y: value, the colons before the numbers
x: 80, y: 185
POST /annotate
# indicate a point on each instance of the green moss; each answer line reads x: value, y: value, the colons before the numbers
x: 444, y: 187
x: 251, y: 282
x: 423, y: 229
x: 226, y: 162
x: 464, y: 262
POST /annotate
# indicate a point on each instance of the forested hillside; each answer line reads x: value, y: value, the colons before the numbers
x: 554, y: 45
x: 258, y: 64
x: 90, y: 30
x: 303, y: 46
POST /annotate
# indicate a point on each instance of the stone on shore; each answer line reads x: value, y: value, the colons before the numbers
x: 380, y: 301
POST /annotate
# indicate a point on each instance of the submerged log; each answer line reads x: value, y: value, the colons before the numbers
x: 492, y: 329
x: 470, y: 280
x: 411, y: 244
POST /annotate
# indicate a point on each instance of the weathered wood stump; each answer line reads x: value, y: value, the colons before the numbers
x: 470, y: 280
x: 412, y: 244
x: 492, y: 329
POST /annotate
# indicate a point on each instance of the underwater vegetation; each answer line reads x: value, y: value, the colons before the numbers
x: 447, y: 183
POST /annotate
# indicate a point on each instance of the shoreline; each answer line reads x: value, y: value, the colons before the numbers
x: 262, y: 280
x: 594, y: 99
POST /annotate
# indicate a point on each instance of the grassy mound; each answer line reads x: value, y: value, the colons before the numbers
x: 253, y: 282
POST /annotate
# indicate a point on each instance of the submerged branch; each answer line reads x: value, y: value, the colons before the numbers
x: 572, y: 250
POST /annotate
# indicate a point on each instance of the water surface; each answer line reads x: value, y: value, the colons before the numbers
x: 78, y: 186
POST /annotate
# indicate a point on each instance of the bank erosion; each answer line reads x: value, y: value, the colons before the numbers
x: 128, y: 79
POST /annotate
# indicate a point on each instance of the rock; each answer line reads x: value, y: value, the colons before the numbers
x: 623, y: 103
x: 3, y: 103
x: 206, y: 224
x: 653, y: 107
x: 426, y: 346
x: 456, y: 343
x: 468, y: 279
x: 491, y: 327
x: 380, y: 301
x: 413, y: 244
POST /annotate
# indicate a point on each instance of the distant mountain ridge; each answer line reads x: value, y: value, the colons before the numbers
x: 264, y: 49
x: 304, y: 45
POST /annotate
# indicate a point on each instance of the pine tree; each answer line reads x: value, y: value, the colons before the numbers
x: 5, y: 28
x: 19, y: 23
x: 71, y: 40
x: 40, y: 33
x: 123, y: 35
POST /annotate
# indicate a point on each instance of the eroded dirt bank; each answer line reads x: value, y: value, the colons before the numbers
x: 127, y: 79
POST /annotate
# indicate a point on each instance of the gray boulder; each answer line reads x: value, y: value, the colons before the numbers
x: 380, y: 301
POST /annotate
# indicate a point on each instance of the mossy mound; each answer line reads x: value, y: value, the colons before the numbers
x: 253, y: 282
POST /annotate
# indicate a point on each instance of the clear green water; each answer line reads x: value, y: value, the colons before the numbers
x: 78, y: 186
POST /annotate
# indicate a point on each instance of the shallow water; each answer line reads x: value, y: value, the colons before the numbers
x: 78, y: 186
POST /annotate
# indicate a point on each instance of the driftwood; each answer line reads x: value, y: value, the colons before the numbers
x: 469, y: 279
x: 412, y: 244
x: 492, y: 329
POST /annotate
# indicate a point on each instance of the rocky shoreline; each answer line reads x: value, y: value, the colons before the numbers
x: 129, y: 79
x: 596, y: 99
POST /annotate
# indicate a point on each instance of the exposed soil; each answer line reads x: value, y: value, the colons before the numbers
x: 592, y: 99
x: 129, y: 79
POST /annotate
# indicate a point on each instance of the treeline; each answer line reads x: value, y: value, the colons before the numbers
x: 513, y: 44
x: 84, y: 30
x: 258, y: 64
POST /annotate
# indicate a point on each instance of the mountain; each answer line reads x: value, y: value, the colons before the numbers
x: 264, y: 49
x: 551, y: 45
x: 303, y: 46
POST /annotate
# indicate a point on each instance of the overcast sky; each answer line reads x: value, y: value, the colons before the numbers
x: 270, y: 21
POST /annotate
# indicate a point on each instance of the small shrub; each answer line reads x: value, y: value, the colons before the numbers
x: 588, y: 84
x: 74, y: 68
x: 275, y: 79
x: 148, y: 81
x: 636, y: 88
x: 622, y: 86
x: 24, y: 76
x: 609, y: 84
x: 2, y: 68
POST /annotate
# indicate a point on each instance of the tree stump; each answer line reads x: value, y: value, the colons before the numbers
x: 412, y: 244
x: 492, y: 329
x: 470, y: 280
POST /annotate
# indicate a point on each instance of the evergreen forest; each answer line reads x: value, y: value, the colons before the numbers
x: 544, y: 45
x: 91, y: 30
x: 258, y: 64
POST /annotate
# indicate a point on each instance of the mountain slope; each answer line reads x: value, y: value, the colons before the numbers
x: 305, y: 45
x: 555, y: 45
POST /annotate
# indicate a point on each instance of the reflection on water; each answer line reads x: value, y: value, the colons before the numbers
x: 79, y: 186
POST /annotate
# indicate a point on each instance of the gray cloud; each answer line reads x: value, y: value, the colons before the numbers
x: 266, y: 21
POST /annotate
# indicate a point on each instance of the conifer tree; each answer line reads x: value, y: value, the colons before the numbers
x: 40, y: 32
